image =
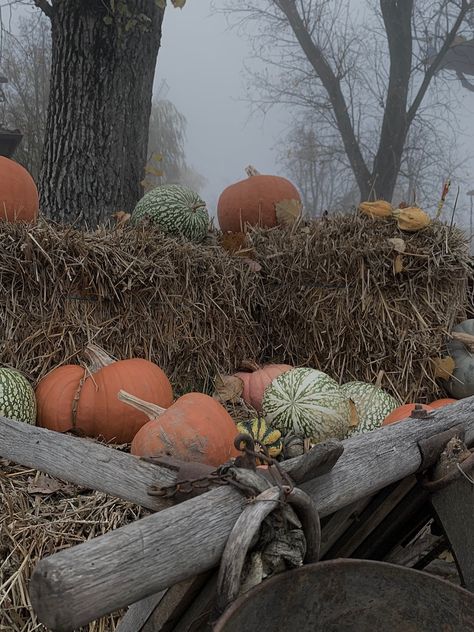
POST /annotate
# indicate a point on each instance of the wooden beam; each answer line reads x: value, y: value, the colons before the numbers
x: 84, y: 462
x: 78, y: 585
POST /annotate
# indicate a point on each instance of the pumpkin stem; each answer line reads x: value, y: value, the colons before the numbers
x: 96, y: 357
x: 249, y: 365
x: 251, y: 171
x: 153, y: 411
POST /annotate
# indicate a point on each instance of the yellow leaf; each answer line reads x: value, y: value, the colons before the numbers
x: 154, y: 172
x: 178, y: 4
x: 156, y: 157
x: 444, y: 367
x: 288, y: 211
x: 354, y: 417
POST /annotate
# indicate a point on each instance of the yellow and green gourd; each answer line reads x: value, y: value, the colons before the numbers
x: 17, y: 397
x: 263, y: 435
x: 176, y: 209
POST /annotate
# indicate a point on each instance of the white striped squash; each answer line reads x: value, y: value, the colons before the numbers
x: 177, y: 210
x: 372, y: 404
x: 308, y: 402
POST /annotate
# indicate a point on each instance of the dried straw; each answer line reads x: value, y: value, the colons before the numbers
x: 34, y: 524
x: 334, y: 300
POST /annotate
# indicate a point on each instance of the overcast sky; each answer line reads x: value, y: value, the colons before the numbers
x: 203, y: 63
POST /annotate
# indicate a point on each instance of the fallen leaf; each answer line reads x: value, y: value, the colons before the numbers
x: 399, y: 245
x: 444, y: 367
x: 288, y: 211
x: 43, y: 485
x: 178, y: 4
x: 233, y: 242
x: 398, y: 264
x: 253, y: 265
x: 228, y: 388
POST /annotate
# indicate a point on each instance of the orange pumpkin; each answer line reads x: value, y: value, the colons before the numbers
x: 19, y: 201
x: 439, y: 403
x: 195, y: 428
x: 71, y: 398
x: 253, y: 201
x: 255, y: 380
x: 403, y: 412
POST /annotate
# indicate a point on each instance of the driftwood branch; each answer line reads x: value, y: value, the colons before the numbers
x: 83, y: 462
x: 79, y: 585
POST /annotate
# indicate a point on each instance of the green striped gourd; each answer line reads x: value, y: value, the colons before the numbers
x: 17, y: 397
x: 307, y: 402
x: 263, y: 435
x: 177, y: 210
x: 372, y: 404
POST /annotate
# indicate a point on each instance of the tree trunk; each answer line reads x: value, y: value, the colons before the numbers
x: 103, y: 65
x: 397, y: 21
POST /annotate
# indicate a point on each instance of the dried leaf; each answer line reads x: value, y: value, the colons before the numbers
x: 233, y: 242
x: 178, y: 4
x: 228, y: 388
x: 399, y: 245
x: 354, y: 417
x: 43, y: 485
x: 398, y: 264
x: 252, y: 264
x: 288, y: 211
x: 444, y: 367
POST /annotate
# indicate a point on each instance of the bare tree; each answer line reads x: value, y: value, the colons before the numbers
x: 26, y: 63
x: 364, y: 73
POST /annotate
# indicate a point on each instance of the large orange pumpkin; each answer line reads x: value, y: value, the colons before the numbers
x: 84, y: 400
x: 256, y: 379
x: 403, y: 412
x: 440, y: 403
x: 195, y: 428
x: 253, y: 201
x: 19, y: 201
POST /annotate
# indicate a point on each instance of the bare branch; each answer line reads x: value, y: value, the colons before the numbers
x: 45, y: 7
x: 465, y: 7
x: 332, y: 86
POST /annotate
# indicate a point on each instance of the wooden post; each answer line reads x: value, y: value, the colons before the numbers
x: 78, y: 585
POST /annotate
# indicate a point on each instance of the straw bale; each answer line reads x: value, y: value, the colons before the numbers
x: 134, y: 292
x: 34, y: 524
x: 335, y: 301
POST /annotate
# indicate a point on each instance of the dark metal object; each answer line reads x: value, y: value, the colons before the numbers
x: 431, y: 448
x: 351, y: 595
x: 421, y: 413
x: 463, y: 467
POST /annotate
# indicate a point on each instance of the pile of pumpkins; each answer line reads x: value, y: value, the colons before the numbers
x: 131, y: 401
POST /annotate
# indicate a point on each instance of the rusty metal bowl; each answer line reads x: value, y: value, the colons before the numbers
x: 355, y: 595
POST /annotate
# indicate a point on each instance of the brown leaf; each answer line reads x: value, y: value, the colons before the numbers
x: 233, y: 242
x: 399, y: 245
x: 288, y: 211
x: 178, y: 4
x: 398, y: 264
x: 43, y: 485
x: 354, y: 417
x: 444, y: 367
x: 228, y: 388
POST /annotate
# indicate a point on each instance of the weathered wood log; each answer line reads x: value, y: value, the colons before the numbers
x: 84, y: 462
x: 81, y: 584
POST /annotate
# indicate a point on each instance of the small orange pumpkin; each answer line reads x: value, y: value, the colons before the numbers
x: 195, y: 428
x: 255, y: 380
x: 403, y: 412
x: 19, y: 200
x: 71, y: 398
x: 440, y: 403
x: 253, y: 201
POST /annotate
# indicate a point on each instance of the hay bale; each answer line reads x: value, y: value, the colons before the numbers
x: 335, y: 300
x: 187, y: 307
x: 37, y: 521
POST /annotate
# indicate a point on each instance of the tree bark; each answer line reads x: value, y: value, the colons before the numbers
x: 397, y: 21
x: 103, y: 64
